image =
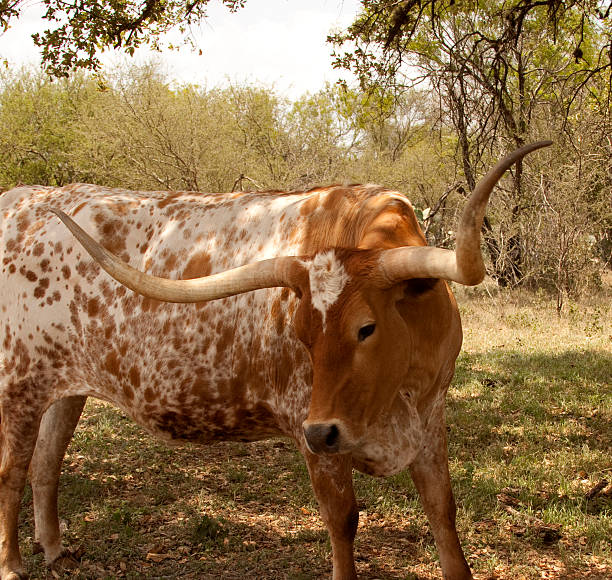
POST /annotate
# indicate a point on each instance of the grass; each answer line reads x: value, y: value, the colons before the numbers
x: 530, y: 436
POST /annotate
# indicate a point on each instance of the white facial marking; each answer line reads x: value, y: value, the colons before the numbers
x: 327, y: 280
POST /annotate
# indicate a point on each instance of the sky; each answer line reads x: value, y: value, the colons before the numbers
x: 280, y: 43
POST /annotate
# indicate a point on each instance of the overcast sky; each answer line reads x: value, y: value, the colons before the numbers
x: 277, y: 42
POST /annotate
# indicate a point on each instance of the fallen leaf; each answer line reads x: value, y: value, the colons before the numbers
x: 507, y: 499
x: 151, y: 556
x: 596, y: 489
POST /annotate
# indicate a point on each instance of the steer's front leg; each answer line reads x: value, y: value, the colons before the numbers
x: 332, y: 481
x: 430, y: 474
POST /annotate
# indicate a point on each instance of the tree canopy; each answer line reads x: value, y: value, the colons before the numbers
x: 79, y: 30
x: 388, y: 31
x: 504, y: 72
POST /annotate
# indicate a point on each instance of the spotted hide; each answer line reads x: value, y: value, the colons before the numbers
x: 340, y: 333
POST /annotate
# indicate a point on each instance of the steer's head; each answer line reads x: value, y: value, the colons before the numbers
x: 350, y: 320
x: 356, y: 316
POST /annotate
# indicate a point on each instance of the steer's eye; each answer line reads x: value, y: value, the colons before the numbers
x: 366, y: 331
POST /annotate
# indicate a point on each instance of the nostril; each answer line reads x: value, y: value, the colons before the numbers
x: 323, y: 437
x: 332, y: 437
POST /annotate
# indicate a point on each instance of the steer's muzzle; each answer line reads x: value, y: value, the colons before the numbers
x: 329, y: 437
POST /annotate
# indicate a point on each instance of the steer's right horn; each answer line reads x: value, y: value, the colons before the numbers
x: 464, y: 265
x: 275, y: 272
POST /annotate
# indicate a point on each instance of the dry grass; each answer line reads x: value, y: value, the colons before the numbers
x: 530, y: 417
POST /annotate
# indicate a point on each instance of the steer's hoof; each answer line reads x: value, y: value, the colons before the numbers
x: 67, y: 560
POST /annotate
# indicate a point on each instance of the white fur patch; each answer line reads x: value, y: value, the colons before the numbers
x: 327, y: 280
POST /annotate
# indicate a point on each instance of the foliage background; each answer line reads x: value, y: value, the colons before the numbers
x: 135, y: 128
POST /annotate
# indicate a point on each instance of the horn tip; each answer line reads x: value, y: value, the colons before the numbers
x: 473, y: 280
x: 58, y: 212
x: 538, y: 145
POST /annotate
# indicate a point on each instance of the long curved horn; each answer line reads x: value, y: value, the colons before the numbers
x: 264, y: 274
x: 464, y: 265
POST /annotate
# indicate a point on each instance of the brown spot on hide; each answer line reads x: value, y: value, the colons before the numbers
x: 111, y: 363
x: 41, y: 289
x: 276, y: 313
x: 93, y: 307
x: 129, y: 303
x: 23, y: 222
x: 170, y: 263
x: 150, y: 304
x: 66, y: 271
x: 198, y: 266
x: 128, y: 392
x: 113, y: 233
x: 39, y: 248
x: 200, y: 388
x: 88, y: 270
x: 223, y: 343
x: 21, y: 353
x: 168, y: 200
x: 74, y: 316
x: 31, y: 276
x: 79, y: 208
x: 122, y: 209
x: 35, y: 227
x: 135, y: 377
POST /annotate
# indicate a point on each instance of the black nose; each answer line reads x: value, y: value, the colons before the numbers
x: 323, y: 437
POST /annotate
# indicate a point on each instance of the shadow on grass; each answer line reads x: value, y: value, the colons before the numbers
x: 532, y: 392
x: 532, y: 422
x: 152, y: 544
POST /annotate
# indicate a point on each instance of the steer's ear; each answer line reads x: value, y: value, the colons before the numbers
x: 419, y: 286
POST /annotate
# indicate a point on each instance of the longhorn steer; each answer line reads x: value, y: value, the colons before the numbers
x: 340, y: 332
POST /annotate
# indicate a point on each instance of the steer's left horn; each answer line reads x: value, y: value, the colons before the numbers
x: 264, y: 274
x: 464, y: 265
